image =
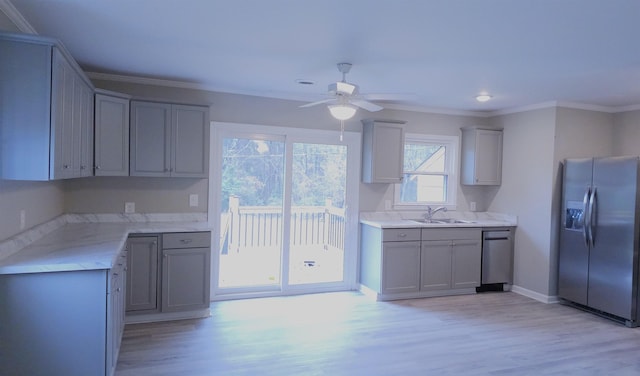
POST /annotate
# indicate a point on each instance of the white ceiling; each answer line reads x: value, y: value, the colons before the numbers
x: 440, y: 52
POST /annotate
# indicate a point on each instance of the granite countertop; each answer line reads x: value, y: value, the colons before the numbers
x: 459, y: 220
x: 83, y: 242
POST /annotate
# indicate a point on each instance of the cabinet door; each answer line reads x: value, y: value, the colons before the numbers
x: 488, y: 163
x: 86, y: 131
x: 142, y: 276
x: 25, y: 110
x: 190, y: 141
x: 111, y: 136
x: 150, y: 139
x: 185, y: 279
x: 62, y: 138
x: 382, y: 152
x: 435, y: 264
x: 400, y: 267
x: 466, y: 256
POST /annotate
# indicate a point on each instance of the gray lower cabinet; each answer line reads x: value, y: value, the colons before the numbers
x: 168, y: 273
x: 46, y: 115
x: 169, y: 140
x: 451, y: 259
x: 185, y: 271
x: 414, y: 262
x: 142, y: 276
x: 62, y: 323
x: 111, y: 134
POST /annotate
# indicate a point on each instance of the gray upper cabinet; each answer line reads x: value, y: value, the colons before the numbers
x: 169, y: 140
x: 382, y: 151
x: 111, y: 134
x: 46, y: 112
x: 481, y: 156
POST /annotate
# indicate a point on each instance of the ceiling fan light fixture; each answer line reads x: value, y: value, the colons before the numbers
x: 483, y: 97
x: 342, y: 111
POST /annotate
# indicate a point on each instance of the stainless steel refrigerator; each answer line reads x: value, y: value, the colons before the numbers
x: 598, y: 255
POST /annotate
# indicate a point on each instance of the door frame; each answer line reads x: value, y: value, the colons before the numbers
x: 289, y: 135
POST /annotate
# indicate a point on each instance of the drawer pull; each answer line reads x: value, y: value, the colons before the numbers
x: 402, y: 235
x: 185, y: 241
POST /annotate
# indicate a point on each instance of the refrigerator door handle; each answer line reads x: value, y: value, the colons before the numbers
x: 586, y: 221
x: 593, y: 207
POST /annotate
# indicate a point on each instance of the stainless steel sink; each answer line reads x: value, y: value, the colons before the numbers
x: 441, y: 221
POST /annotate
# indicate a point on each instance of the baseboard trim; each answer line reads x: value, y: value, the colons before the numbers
x: 547, y: 299
x: 167, y: 316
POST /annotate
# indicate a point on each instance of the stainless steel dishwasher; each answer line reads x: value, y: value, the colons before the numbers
x: 497, y: 257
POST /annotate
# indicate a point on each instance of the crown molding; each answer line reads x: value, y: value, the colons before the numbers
x: 633, y: 107
x: 14, y: 16
x: 435, y: 110
x: 145, y: 80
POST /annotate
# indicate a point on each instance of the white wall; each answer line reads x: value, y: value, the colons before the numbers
x: 150, y: 195
x: 626, y: 139
x: 526, y: 191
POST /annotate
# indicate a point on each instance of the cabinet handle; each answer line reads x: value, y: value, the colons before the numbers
x: 118, y: 289
x: 83, y: 167
x: 97, y: 167
x: 403, y: 235
x: 185, y: 241
x: 65, y: 166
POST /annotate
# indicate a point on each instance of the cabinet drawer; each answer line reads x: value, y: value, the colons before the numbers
x: 400, y: 234
x: 452, y: 234
x: 186, y: 240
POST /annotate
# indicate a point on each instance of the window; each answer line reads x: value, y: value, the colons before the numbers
x: 429, y: 171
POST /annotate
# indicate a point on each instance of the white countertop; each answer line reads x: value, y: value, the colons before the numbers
x: 408, y: 220
x: 80, y: 243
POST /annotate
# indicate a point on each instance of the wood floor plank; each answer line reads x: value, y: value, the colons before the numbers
x: 349, y: 334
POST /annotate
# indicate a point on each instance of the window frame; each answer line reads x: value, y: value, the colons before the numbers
x: 452, y: 151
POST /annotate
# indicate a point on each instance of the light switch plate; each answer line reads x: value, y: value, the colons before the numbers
x: 129, y: 207
x: 193, y: 200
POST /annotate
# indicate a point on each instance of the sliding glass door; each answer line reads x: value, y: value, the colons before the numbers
x: 283, y: 219
x: 317, y: 219
x: 251, y: 212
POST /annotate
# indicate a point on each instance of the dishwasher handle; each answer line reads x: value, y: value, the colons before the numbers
x: 497, y: 238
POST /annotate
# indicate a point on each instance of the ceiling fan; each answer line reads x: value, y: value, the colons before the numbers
x: 345, y: 97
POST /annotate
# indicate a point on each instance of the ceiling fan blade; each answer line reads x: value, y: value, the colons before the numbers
x: 371, y: 107
x: 317, y: 103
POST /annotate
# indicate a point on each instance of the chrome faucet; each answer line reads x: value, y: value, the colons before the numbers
x: 428, y: 216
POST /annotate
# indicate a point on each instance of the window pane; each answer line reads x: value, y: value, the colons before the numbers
x: 423, y: 188
x: 424, y: 157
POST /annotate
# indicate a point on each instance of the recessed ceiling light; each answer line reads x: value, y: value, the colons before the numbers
x: 483, y: 97
x: 301, y: 81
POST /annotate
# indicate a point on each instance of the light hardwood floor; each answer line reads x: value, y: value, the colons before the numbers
x: 349, y: 334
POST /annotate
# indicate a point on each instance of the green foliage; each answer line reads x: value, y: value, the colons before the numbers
x: 253, y: 170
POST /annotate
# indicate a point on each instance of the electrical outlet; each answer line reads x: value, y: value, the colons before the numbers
x: 193, y: 200
x: 129, y: 207
x: 23, y: 219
